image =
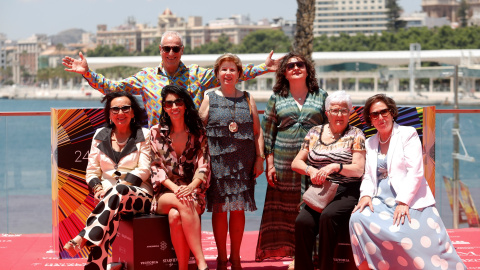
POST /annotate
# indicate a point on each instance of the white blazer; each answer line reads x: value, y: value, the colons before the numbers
x: 404, y: 165
x: 134, y: 164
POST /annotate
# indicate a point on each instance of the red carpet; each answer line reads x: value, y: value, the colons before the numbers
x: 34, y: 251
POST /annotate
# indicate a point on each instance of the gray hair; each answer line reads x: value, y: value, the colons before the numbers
x: 171, y: 33
x: 338, y: 97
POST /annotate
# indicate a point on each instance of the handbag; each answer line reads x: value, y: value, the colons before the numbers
x: 318, y: 197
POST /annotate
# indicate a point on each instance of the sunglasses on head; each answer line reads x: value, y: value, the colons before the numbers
x: 384, y: 113
x: 169, y: 103
x: 292, y: 65
x: 175, y: 49
x: 125, y: 109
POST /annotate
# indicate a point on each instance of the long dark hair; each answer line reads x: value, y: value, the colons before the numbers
x: 191, y: 118
x: 138, y: 115
x: 282, y: 86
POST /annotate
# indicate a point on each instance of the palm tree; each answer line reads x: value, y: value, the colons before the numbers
x: 303, y: 42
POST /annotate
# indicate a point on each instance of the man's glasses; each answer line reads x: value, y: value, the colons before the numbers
x: 338, y: 112
x: 384, y: 113
x: 169, y: 103
x: 175, y: 49
x: 292, y: 65
x: 125, y: 109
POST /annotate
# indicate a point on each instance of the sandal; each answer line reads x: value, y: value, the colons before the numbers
x: 291, y: 266
x: 236, y: 265
x: 221, y: 265
x: 72, y: 248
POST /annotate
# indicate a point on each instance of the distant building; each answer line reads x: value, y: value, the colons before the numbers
x: 136, y: 37
x: 127, y: 35
x: 25, y: 65
x: 52, y: 56
x: 333, y: 17
x: 449, y: 9
x: 421, y: 19
x: 3, y: 51
x: 288, y: 26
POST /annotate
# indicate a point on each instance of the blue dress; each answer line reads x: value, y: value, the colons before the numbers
x: 421, y: 244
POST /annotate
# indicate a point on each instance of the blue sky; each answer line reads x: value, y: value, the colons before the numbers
x: 20, y: 19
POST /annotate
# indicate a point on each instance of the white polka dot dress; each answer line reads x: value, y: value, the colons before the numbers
x: 421, y: 244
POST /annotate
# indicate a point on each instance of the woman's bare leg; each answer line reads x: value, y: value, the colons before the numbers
x: 237, y: 227
x: 190, y: 222
x: 220, y: 230
x: 182, y: 250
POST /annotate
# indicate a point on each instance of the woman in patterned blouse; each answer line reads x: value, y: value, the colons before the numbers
x: 180, y: 172
x: 335, y: 151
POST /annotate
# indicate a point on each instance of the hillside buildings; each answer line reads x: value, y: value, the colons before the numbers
x: 136, y: 37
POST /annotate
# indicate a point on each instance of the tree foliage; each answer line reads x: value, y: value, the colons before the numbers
x: 462, y: 13
x: 105, y: 51
x: 394, y: 23
x: 303, y: 42
x: 263, y: 41
x: 431, y: 39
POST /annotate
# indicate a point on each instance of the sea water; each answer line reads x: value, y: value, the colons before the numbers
x: 25, y: 176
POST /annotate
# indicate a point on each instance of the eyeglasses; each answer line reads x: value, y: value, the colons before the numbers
x: 175, y: 49
x: 384, y: 113
x: 125, y: 109
x: 292, y: 65
x: 339, y: 112
x: 169, y: 103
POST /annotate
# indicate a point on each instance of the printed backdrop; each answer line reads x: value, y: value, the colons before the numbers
x: 72, y: 131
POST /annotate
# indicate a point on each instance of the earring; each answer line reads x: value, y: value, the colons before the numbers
x: 111, y: 123
x: 133, y: 120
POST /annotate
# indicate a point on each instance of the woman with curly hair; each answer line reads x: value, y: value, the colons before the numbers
x: 296, y: 106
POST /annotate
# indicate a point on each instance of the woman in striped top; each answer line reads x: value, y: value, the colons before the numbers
x: 335, y: 150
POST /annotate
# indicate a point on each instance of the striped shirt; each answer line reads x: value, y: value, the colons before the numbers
x: 340, y: 151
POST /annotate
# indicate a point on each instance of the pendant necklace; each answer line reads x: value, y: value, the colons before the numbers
x: 380, y: 139
x: 232, y: 126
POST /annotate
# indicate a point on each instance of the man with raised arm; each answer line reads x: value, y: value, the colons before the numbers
x: 150, y: 81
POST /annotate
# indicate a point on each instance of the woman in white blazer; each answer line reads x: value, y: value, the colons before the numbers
x: 397, y: 225
x: 118, y: 172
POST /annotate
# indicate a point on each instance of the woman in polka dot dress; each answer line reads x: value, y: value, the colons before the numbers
x: 118, y: 172
x: 397, y: 225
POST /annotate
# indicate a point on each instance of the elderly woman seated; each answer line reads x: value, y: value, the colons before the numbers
x: 332, y: 152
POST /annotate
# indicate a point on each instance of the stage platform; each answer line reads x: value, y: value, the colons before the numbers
x: 35, y: 251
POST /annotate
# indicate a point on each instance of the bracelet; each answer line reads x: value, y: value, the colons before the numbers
x: 262, y: 156
x: 341, y: 168
x: 306, y: 169
x: 97, y: 187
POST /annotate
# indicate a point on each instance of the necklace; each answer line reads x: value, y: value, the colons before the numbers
x: 232, y: 126
x: 320, y: 141
x: 331, y: 133
x: 119, y: 142
x: 380, y: 139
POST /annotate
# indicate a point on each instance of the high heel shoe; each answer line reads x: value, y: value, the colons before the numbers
x: 72, y: 247
x: 221, y: 265
x: 236, y: 265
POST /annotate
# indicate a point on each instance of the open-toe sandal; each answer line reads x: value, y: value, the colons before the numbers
x: 221, y: 265
x: 236, y: 265
x: 72, y: 248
